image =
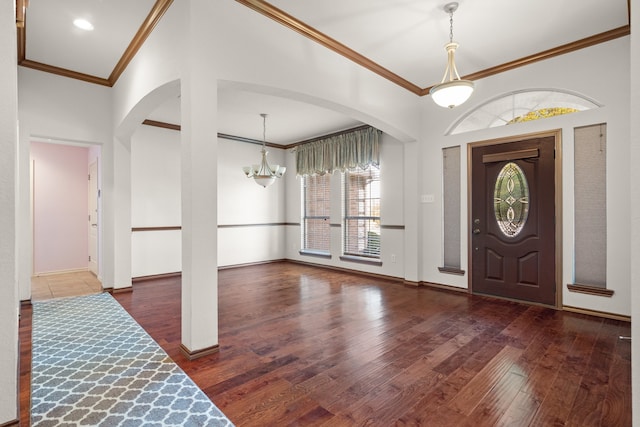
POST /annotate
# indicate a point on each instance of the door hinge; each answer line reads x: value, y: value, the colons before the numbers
x: 89, y: 258
x: 89, y: 177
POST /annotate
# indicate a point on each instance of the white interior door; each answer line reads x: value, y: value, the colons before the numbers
x: 93, y: 218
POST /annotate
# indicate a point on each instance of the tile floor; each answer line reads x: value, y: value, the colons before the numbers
x: 64, y: 285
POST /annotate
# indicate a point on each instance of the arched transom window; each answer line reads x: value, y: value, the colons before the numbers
x: 522, y: 106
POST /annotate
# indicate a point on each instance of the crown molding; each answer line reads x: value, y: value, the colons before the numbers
x: 550, y: 53
x: 159, y: 124
x: 175, y: 127
x: 157, y: 12
x: 161, y: 6
x: 64, y: 72
x: 300, y: 27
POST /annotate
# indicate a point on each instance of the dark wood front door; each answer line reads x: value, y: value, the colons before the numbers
x: 513, y: 220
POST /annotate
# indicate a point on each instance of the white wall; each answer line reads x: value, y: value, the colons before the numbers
x: 273, y: 58
x: 64, y: 110
x: 60, y: 207
x: 155, y: 201
x: 8, y: 203
x: 251, y: 218
x: 156, y: 63
x: 587, y: 72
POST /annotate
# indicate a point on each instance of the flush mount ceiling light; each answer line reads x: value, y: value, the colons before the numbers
x: 454, y: 91
x: 83, y: 24
x: 263, y: 174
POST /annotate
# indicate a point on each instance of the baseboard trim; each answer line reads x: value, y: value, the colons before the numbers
x: 347, y: 270
x: 193, y: 355
x: 444, y: 287
x: 249, y: 264
x: 53, y: 273
x: 597, y: 313
x: 126, y: 290
x: 156, y: 276
x: 12, y: 423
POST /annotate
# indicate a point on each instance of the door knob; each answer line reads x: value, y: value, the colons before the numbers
x: 476, y: 231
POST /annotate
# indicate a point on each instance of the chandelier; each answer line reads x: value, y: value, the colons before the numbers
x: 455, y: 91
x: 263, y: 174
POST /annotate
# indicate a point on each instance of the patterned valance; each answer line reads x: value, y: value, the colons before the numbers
x: 358, y: 148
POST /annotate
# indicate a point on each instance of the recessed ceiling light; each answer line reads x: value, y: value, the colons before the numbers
x: 83, y: 24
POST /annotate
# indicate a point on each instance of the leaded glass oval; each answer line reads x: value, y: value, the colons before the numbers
x: 511, y: 199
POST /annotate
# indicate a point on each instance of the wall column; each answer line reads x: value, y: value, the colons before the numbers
x: 412, y: 213
x: 199, y: 185
x: 634, y: 178
x: 122, y: 214
x: 9, y: 302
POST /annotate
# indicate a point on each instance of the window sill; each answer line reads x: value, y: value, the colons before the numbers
x: 316, y: 254
x: 361, y: 260
x: 590, y: 290
x: 451, y: 270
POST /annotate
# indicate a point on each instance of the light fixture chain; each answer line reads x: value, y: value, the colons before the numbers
x: 451, y: 26
x: 264, y: 130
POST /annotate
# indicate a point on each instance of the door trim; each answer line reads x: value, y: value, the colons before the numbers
x: 557, y: 134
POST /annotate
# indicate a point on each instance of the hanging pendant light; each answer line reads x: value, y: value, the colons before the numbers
x: 263, y: 174
x: 455, y: 91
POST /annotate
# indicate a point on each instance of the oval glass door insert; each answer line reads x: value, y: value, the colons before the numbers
x: 511, y: 199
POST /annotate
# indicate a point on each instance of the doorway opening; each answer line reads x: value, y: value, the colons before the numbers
x: 65, y: 219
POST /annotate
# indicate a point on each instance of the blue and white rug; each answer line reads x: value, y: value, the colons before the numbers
x: 93, y: 365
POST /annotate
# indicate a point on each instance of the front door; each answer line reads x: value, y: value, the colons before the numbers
x: 512, y: 240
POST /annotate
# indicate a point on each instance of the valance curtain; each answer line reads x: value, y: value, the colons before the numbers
x: 359, y: 148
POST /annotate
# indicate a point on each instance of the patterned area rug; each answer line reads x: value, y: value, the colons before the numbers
x: 93, y: 365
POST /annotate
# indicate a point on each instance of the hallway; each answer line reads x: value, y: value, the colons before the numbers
x: 64, y: 285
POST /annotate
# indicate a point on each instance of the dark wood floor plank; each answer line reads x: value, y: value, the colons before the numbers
x: 495, y: 403
x: 306, y: 346
x: 618, y: 395
x: 521, y: 411
x: 484, y: 381
x: 556, y: 406
x: 24, y: 394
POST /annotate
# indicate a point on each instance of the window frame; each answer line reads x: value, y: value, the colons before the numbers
x: 304, y: 236
x: 361, y: 255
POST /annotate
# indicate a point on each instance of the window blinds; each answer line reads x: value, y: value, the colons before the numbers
x: 316, y: 215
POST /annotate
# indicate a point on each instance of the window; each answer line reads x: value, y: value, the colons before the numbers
x: 362, y: 212
x: 316, y: 196
x: 511, y: 200
x: 521, y: 106
x: 451, y: 209
x: 590, y: 182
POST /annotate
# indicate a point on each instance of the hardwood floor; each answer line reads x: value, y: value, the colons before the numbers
x: 306, y: 346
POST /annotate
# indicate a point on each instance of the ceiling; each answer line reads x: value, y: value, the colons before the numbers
x: 402, y: 40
